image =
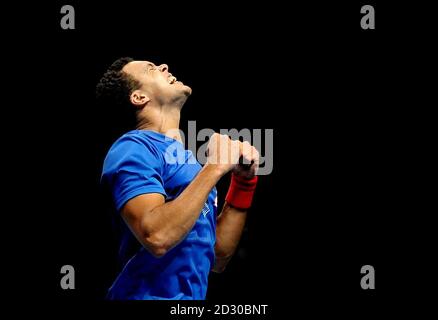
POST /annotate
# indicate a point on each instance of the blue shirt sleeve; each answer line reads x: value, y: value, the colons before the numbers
x: 132, y: 167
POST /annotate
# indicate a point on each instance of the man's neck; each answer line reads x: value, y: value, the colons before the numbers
x: 163, y: 119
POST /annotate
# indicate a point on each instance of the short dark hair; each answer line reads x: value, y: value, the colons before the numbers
x: 113, y: 93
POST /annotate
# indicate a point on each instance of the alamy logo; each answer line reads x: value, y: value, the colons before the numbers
x: 368, y: 19
x: 68, y: 18
x: 368, y: 280
x: 261, y: 139
x: 68, y: 280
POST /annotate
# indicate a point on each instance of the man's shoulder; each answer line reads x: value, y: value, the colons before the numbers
x: 132, y: 140
x: 133, y: 144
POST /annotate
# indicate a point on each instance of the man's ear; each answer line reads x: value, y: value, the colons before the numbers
x: 139, y: 98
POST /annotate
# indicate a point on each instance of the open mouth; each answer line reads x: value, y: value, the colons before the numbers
x: 171, y: 79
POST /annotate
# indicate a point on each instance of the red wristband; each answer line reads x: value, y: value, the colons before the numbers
x: 241, y: 192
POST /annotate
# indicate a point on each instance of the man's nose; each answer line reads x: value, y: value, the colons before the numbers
x: 163, y: 68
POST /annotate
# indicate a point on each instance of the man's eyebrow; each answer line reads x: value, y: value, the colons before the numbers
x: 148, y: 66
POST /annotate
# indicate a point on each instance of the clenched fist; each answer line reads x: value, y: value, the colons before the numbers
x: 234, y: 155
x: 223, y: 152
x: 249, y: 161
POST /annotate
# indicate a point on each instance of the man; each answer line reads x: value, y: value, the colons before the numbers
x: 172, y: 235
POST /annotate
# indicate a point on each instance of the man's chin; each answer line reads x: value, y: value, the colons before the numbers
x: 187, y: 90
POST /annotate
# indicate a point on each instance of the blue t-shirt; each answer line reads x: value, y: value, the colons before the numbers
x: 143, y: 162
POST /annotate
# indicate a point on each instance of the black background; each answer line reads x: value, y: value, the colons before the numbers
x: 339, y: 99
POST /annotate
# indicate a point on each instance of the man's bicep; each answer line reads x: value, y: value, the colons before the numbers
x: 135, y: 209
x: 132, y: 169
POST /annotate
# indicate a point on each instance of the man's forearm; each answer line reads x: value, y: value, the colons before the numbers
x: 229, y: 229
x: 171, y: 222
